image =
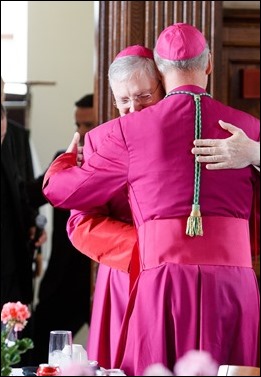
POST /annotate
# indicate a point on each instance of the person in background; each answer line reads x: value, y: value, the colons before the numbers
x: 3, y: 123
x: 64, y: 291
x: 92, y: 233
x: 18, y: 227
x: 189, y: 219
x: 84, y: 115
x: 17, y: 221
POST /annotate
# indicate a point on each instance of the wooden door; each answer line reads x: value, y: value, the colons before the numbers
x: 122, y: 23
x: 240, y: 86
x: 240, y: 78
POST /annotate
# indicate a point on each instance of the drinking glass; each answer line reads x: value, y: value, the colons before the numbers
x: 60, y: 348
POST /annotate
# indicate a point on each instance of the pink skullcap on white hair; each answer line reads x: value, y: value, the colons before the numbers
x: 180, y: 42
x: 135, y: 50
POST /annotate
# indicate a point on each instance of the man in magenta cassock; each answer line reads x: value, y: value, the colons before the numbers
x: 197, y: 288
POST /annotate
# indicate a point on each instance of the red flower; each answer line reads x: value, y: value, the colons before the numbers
x: 14, y: 315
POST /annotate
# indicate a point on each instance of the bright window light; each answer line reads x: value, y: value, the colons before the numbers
x: 14, y: 16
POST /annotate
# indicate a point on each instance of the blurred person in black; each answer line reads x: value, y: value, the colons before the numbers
x: 64, y: 292
x: 17, y: 220
x: 17, y: 214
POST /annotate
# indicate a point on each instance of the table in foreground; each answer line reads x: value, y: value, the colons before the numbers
x: 99, y: 372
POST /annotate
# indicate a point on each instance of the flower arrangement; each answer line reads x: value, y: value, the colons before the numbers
x: 14, y: 317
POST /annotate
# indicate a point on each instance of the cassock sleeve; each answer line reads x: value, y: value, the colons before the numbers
x: 66, y: 185
x: 103, y: 239
x: 100, y: 178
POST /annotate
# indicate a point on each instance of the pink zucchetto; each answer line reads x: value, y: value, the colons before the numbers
x: 180, y: 42
x: 135, y: 50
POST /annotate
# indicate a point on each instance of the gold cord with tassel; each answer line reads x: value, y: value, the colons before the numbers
x: 194, y: 222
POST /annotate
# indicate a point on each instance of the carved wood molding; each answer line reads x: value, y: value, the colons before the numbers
x: 241, y: 27
x: 241, y: 57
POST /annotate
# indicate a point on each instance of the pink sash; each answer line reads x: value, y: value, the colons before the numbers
x: 225, y: 242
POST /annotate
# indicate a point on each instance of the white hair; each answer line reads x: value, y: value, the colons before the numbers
x: 126, y: 67
x: 198, y: 63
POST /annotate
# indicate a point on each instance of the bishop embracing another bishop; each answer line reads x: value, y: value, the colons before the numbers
x: 197, y: 288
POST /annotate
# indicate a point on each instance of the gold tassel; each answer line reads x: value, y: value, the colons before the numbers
x: 194, y: 222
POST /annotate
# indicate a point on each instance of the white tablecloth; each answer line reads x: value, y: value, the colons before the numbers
x: 17, y: 372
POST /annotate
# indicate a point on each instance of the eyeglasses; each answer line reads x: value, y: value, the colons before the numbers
x: 142, y: 99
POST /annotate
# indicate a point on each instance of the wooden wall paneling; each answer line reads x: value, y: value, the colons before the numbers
x: 118, y: 24
x: 241, y: 51
x: 123, y: 23
x: 235, y: 61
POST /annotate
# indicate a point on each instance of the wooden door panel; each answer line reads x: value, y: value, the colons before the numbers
x: 123, y: 23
